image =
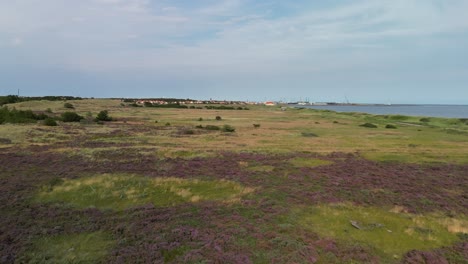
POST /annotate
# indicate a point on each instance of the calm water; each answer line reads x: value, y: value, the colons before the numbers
x: 455, y: 111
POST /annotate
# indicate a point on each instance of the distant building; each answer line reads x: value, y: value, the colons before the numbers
x: 270, y: 103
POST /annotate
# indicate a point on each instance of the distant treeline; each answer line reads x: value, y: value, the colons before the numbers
x: 11, y: 99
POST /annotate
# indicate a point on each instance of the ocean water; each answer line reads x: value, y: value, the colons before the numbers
x: 450, y: 111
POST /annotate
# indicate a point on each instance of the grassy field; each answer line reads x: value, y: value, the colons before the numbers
x: 264, y: 185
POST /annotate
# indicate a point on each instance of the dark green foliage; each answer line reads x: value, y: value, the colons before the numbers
x: 168, y: 124
x: 368, y: 125
x: 335, y: 122
x: 464, y: 120
x: 188, y: 132
x: 103, y: 116
x: 71, y: 117
x: 68, y: 106
x: 19, y: 116
x: 50, y: 122
x: 218, y: 118
x: 390, y: 126
x: 9, y: 99
x: 228, y: 128
x: 48, y: 110
x: 199, y: 127
x: 425, y: 119
x: 211, y: 127
x: 200, y: 119
x: 309, y: 134
x: 398, y: 117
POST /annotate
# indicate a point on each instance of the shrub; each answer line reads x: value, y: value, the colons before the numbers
x: 48, y: 110
x: 167, y: 124
x: 50, y: 122
x: 103, y: 116
x: 200, y: 119
x: 256, y: 125
x: 425, y: 119
x: 228, y: 128
x: 368, y: 125
x: 71, y: 117
x: 399, y: 117
x: 309, y: 134
x: 390, y: 126
x: 211, y: 127
x: 68, y: 106
x: 218, y: 118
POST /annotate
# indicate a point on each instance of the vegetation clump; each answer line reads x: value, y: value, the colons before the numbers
x: 368, y: 125
x: 309, y: 134
x: 71, y: 117
x: 103, y: 116
x: 425, y: 120
x: 228, y: 128
x: 49, y: 122
x: 68, y: 106
x: 218, y: 118
x: 14, y: 116
x: 390, y: 126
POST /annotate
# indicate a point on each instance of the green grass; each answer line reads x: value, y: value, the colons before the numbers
x: 306, y: 162
x: 390, y: 234
x: 119, y: 192
x: 75, y: 248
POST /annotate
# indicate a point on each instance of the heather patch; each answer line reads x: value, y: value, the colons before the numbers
x: 120, y: 191
x: 389, y: 233
x: 76, y: 248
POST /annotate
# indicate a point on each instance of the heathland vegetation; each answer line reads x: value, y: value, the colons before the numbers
x: 103, y: 181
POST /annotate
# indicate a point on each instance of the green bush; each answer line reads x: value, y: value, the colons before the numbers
x: 218, y: 118
x: 14, y: 116
x: 68, y: 106
x: 71, y: 117
x: 390, y: 126
x: 228, y: 128
x: 368, y: 125
x: 103, y: 116
x: 425, y: 119
x: 211, y: 127
x: 309, y: 134
x: 50, y: 122
x: 256, y: 125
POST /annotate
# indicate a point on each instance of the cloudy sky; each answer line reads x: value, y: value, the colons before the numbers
x: 384, y: 51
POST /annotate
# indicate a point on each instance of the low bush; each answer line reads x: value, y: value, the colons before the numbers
x: 256, y: 125
x: 425, y: 119
x: 211, y: 127
x: 368, y: 125
x: 389, y: 126
x: 68, y: 106
x: 71, y: 117
x: 309, y: 134
x: 49, y: 122
x: 218, y: 118
x: 103, y: 116
x: 228, y: 128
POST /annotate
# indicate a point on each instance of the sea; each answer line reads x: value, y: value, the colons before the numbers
x: 448, y: 111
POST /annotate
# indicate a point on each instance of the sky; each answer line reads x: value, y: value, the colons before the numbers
x: 363, y: 51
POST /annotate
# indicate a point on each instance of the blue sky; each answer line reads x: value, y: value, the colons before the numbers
x: 386, y: 51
